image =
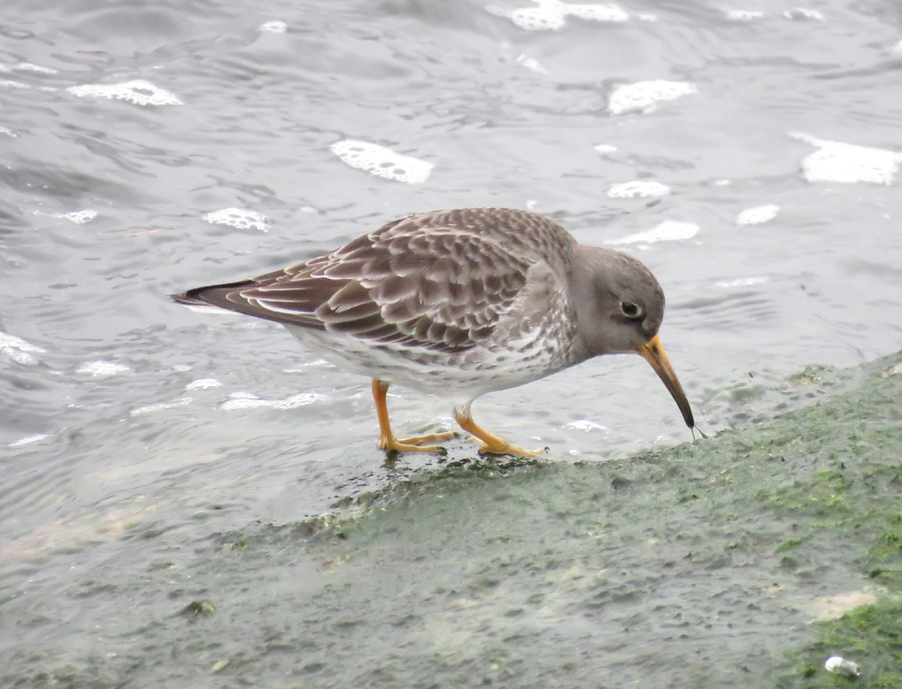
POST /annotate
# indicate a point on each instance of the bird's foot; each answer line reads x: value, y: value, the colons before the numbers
x: 416, y: 443
x: 503, y: 447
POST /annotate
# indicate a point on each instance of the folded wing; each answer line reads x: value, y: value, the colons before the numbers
x: 412, y: 283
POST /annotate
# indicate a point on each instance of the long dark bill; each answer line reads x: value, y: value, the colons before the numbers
x: 653, y: 352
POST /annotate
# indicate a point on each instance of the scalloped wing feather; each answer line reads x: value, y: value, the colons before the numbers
x: 440, y: 280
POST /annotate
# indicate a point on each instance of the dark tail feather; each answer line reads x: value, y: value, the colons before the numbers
x: 211, y: 295
x: 228, y: 297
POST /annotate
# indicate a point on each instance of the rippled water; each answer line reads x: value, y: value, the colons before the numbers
x: 748, y: 152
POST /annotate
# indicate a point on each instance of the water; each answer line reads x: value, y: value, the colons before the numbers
x: 123, y: 413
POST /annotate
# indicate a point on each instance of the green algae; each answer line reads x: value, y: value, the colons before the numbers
x: 870, y: 634
x: 835, y: 468
x: 851, y: 491
x: 198, y: 608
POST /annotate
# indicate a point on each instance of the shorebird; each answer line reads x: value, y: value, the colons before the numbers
x: 460, y: 303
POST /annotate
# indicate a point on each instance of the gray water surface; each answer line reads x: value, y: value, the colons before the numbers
x: 124, y: 414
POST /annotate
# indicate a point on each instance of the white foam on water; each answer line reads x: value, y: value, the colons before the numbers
x: 605, y: 148
x: 29, y: 67
x: 550, y: 15
x: 646, y: 17
x: 30, y: 439
x: 585, y: 425
x: 180, y: 402
x: 741, y: 282
x: 667, y: 231
x: 803, y: 13
x: 542, y: 18
x: 645, y: 95
x: 531, y: 63
x: 629, y: 190
x: 203, y: 384
x: 758, y: 215
x: 744, y: 15
x: 18, y: 350
x: 138, y: 91
x: 8, y: 132
x: 835, y: 161
x: 275, y: 26
x: 79, y: 217
x: 102, y: 369
x: 596, y: 13
x: 300, y: 368
x: 246, y: 400
x: 240, y: 218
x: 722, y: 183
x: 898, y: 47
x: 381, y: 161
x: 12, y: 84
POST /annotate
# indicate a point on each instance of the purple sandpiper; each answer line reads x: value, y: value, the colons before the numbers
x: 459, y: 303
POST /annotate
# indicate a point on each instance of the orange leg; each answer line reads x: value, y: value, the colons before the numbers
x: 387, y: 439
x: 488, y: 443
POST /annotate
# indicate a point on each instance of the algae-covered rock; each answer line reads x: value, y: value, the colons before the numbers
x: 744, y: 560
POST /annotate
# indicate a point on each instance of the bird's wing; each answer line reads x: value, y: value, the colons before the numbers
x: 436, y: 286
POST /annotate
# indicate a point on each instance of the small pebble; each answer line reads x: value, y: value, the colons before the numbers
x: 841, y: 666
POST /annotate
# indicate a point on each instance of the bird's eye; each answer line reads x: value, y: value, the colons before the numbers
x: 630, y: 310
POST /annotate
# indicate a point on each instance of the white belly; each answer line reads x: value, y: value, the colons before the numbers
x: 459, y: 378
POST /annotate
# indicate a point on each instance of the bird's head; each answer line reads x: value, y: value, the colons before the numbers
x: 619, y: 308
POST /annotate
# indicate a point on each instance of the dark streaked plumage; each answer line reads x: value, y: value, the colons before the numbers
x: 460, y: 303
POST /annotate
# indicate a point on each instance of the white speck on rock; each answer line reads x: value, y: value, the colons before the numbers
x: 841, y: 666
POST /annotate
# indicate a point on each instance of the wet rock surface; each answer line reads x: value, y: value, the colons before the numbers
x: 697, y: 565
